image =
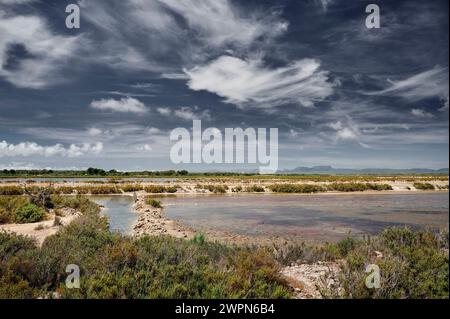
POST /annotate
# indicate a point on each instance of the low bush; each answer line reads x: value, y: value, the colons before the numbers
x: 217, y: 189
x: 65, y: 190
x: 296, y: 188
x: 255, y: 189
x: 131, y: 187
x: 237, y: 189
x: 154, y: 203
x: 157, y: 189
x: 424, y: 186
x: 8, y: 207
x: 29, y: 213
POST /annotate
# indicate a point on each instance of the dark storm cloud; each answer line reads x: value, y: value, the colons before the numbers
x: 339, y: 93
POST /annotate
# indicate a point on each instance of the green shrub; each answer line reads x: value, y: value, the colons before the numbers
x: 131, y: 188
x: 296, y: 188
x: 217, y: 189
x: 29, y: 213
x: 379, y: 187
x: 424, y: 186
x: 155, y: 189
x: 154, y: 203
x: 255, y: 189
x: 198, y: 239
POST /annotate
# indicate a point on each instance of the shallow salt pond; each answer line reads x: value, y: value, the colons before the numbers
x: 320, y: 217
x: 119, y: 211
x: 310, y: 217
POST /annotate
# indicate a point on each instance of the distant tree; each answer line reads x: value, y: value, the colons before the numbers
x: 95, y: 171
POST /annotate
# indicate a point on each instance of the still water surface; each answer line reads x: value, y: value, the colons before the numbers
x: 305, y: 217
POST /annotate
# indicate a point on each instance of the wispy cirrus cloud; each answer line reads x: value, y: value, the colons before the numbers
x: 219, y: 23
x: 185, y: 32
x: 250, y: 83
x: 124, y: 105
x: 430, y: 83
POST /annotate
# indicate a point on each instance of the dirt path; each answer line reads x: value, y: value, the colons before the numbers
x: 41, y: 230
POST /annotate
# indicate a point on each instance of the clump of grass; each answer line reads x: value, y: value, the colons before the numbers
x: 11, y: 190
x: 255, y: 189
x: 296, y: 188
x: 154, y: 203
x: 65, y: 190
x: 424, y: 186
x: 171, y: 189
x: 199, y: 239
x: 131, y: 187
x: 97, y: 190
x: 379, y: 187
x: 157, y: 189
x: 237, y: 189
x: 216, y: 189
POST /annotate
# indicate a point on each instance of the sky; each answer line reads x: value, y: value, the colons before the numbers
x: 109, y: 93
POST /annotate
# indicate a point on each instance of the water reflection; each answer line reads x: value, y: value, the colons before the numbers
x: 310, y: 217
x: 119, y: 211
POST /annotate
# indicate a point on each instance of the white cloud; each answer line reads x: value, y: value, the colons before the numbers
x: 144, y: 148
x: 154, y: 130
x: 47, y: 52
x: 249, y: 83
x: 336, y: 126
x: 421, y: 113
x: 324, y: 4
x: 189, y: 114
x: 431, y: 83
x: 95, y: 131
x: 16, y: 1
x: 27, y: 149
x: 186, y: 113
x: 164, y: 110
x: 175, y: 76
x: 346, y: 133
x: 219, y: 23
x: 124, y: 105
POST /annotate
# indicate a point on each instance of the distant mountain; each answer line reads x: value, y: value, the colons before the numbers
x: 332, y: 170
